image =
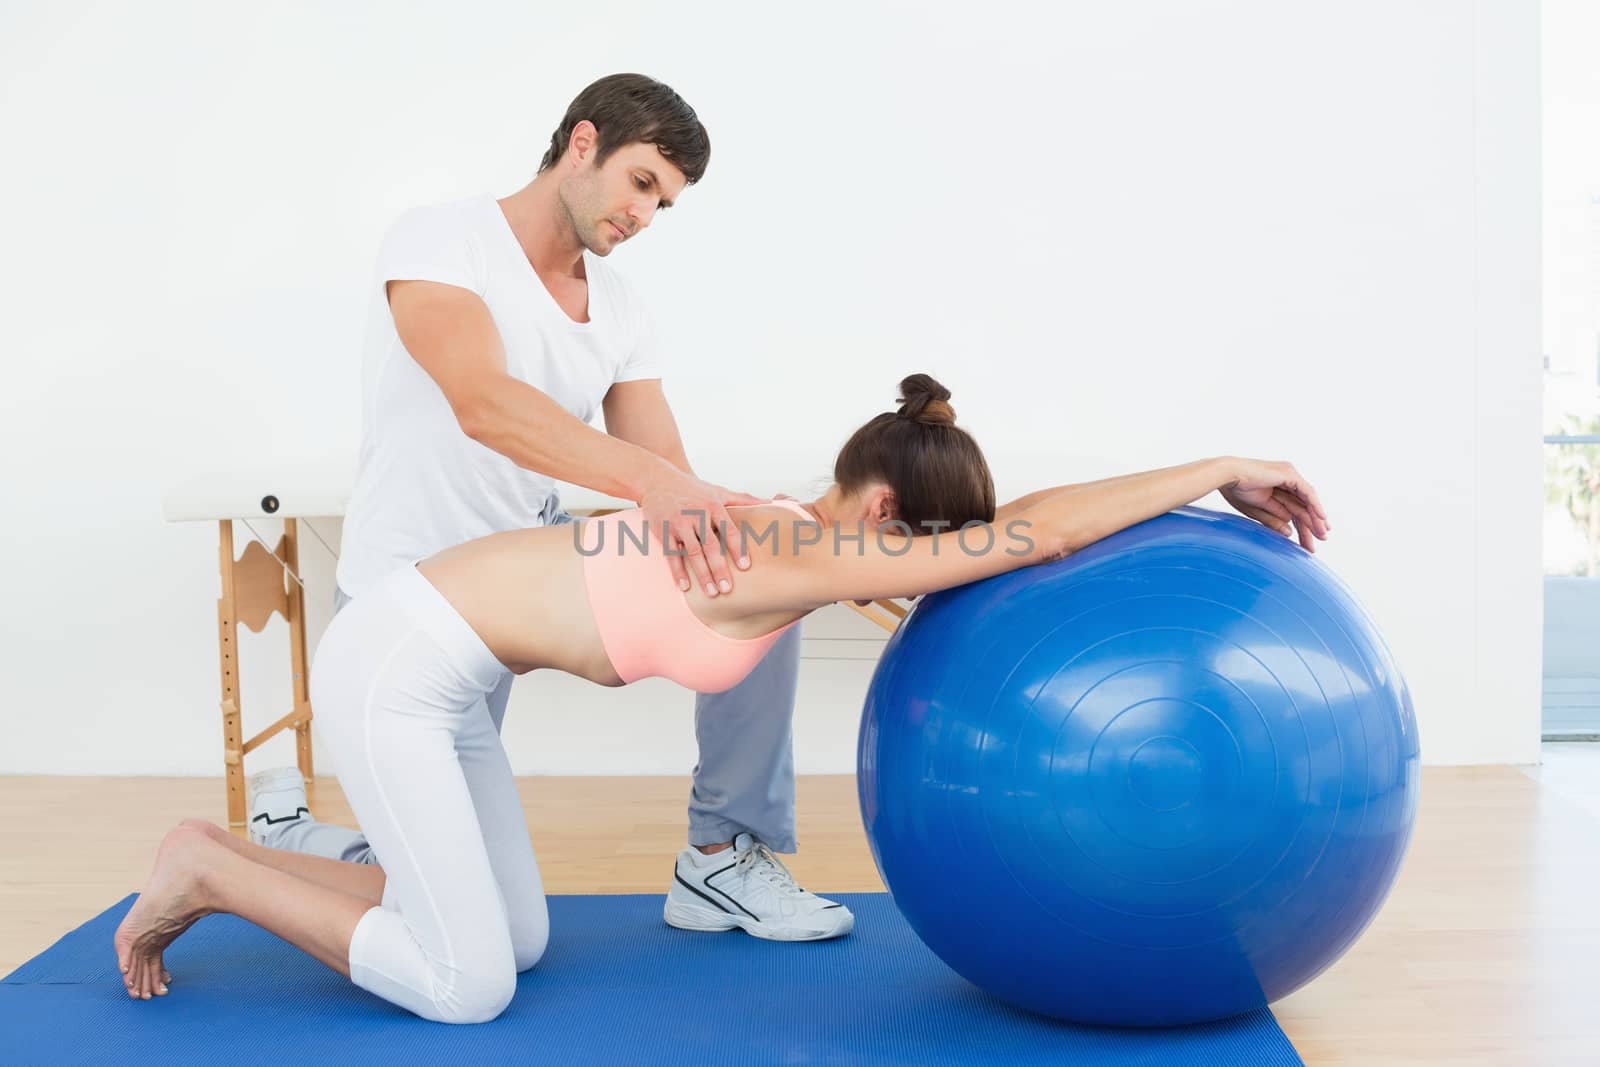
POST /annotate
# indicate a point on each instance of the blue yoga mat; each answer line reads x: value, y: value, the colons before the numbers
x: 617, y: 986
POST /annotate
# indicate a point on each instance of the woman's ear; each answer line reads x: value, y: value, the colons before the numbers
x: 881, y: 506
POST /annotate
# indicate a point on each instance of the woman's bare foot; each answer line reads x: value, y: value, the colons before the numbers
x: 173, y: 900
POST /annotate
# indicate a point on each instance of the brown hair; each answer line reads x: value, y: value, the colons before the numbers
x: 630, y: 108
x: 935, y: 469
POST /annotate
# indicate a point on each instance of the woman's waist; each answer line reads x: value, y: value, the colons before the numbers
x: 524, y: 592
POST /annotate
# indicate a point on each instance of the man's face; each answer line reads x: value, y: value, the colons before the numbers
x: 609, y: 204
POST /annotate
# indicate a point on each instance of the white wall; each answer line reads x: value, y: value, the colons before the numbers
x: 1570, y: 94
x: 1124, y: 234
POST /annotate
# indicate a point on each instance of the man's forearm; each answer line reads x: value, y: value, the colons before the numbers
x: 534, y: 432
x: 676, y: 457
x: 637, y: 412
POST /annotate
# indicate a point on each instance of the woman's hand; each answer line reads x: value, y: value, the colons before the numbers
x: 1278, y: 496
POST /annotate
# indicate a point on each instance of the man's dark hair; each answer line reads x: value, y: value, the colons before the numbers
x: 629, y: 108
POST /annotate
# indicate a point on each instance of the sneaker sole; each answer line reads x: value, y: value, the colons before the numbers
x: 705, y: 920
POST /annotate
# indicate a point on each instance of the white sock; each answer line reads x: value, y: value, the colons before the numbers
x: 700, y: 859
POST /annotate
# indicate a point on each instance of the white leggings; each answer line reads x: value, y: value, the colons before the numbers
x: 397, y: 685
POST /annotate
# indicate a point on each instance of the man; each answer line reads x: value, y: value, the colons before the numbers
x: 495, y: 331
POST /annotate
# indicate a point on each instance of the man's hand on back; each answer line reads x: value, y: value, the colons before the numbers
x: 694, y: 515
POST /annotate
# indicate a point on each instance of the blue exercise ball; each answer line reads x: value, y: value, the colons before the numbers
x: 1165, y: 780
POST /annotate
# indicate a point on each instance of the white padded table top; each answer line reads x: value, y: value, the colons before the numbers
x: 310, y: 490
x: 285, y: 492
x: 307, y: 490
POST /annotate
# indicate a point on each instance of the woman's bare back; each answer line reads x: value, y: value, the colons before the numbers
x: 523, y: 592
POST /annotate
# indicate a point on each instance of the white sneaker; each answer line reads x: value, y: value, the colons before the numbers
x: 748, y: 888
x: 277, y: 797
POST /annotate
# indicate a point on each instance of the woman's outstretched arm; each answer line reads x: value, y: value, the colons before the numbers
x: 868, y: 564
x: 1012, y: 508
x: 1273, y: 494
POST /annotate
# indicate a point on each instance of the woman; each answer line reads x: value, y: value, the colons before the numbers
x: 457, y: 908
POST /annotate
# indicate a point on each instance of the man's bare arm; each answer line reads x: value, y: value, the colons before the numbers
x: 638, y: 413
x: 452, y: 336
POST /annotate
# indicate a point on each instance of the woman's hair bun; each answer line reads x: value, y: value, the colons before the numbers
x: 924, y: 400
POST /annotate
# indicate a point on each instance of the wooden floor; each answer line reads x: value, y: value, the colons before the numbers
x: 1488, y: 951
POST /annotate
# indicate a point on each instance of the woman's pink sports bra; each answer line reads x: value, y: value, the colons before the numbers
x: 645, y: 622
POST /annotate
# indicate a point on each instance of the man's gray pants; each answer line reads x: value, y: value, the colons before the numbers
x: 743, y: 782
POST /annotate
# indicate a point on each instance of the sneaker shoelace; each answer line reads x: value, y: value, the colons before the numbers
x: 760, y: 860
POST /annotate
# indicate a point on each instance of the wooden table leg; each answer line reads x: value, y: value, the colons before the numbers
x: 228, y: 640
x: 297, y: 651
x: 254, y: 587
x: 886, y: 613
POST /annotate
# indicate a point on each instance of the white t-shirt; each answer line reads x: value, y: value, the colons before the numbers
x: 421, y: 484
